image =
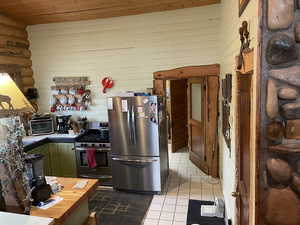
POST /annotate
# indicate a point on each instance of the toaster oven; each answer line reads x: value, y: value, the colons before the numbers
x: 41, y: 126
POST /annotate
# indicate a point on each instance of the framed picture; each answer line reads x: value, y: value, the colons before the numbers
x: 242, y: 6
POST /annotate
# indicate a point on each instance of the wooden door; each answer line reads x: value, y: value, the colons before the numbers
x: 178, y: 114
x: 243, y: 150
x: 197, y: 101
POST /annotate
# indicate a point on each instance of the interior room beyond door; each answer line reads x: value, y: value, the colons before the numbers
x: 178, y: 114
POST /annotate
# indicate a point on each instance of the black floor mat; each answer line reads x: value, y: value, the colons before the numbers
x: 119, y: 208
x: 194, y: 214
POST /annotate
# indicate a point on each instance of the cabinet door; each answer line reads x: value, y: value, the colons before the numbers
x: 55, y: 160
x: 67, y: 159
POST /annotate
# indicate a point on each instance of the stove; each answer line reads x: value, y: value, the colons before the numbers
x: 95, y: 140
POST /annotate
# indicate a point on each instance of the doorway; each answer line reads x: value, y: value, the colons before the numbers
x: 192, y: 100
x: 177, y: 111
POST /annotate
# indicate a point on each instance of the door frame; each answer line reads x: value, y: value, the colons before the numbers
x: 189, y: 72
x: 237, y: 152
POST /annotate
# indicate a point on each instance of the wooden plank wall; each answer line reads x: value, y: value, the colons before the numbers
x: 129, y: 49
x: 230, y: 23
x: 14, y: 51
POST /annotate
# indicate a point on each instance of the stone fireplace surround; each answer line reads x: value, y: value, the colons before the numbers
x: 279, y: 153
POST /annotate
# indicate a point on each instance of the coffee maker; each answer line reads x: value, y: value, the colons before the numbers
x: 41, y: 191
x: 63, y: 124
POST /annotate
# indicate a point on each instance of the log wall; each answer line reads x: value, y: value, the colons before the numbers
x: 15, y: 56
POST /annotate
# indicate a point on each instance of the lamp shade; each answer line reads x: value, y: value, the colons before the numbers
x: 12, y: 99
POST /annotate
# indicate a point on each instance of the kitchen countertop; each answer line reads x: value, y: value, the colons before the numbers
x: 31, y: 142
x: 74, y: 206
x: 17, y: 219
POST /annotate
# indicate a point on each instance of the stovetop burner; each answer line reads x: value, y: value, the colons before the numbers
x: 94, y: 136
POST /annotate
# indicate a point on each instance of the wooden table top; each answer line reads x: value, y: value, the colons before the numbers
x: 72, y: 199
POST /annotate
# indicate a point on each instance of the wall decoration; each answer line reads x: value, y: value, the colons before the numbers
x: 70, y: 94
x: 242, y: 6
x: 227, y: 96
x: 107, y: 82
x: 227, y: 88
x: 225, y: 124
x: 245, y: 43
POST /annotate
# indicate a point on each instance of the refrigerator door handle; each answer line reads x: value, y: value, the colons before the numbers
x: 135, y: 160
x: 133, y: 128
x: 129, y: 126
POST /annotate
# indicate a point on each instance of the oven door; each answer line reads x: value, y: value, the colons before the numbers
x: 103, y: 168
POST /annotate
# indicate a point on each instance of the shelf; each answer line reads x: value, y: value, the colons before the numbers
x: 74, y: 84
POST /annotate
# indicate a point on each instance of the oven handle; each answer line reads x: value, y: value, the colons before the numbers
x: 135, y: 160
x: 98, y: 150
x: 99, y: 177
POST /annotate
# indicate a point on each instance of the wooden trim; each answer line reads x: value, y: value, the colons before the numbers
x: 212, y: 123
x: 237, y: 155
x: 237, y: 141
x: 258, y: 112
x: 188, y: 72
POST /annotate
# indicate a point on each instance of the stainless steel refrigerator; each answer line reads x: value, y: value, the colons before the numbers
x: 139, y: 145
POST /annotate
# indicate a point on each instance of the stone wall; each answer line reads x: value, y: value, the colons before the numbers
x: 280, y: 114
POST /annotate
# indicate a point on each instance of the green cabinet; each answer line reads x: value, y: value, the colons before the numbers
x: 59, y: 159
x: 63, y: 159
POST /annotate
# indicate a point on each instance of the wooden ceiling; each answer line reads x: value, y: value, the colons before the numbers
x: 48, y: 11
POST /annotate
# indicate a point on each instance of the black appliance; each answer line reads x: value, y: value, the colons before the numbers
x: 41, y: 191
x: 96, y: 138
x: 63, y: 124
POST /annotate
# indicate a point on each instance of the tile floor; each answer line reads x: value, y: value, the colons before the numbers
x: 185, y: 182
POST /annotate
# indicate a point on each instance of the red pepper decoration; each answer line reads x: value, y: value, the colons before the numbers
x: 107, y: 82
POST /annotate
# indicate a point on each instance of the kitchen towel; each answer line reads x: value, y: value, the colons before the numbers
x: 91, y: 157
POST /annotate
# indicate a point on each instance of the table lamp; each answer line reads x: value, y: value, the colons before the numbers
x: 13, y: 176
x: 12, y: 100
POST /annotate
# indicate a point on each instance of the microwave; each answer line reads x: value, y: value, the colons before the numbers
x: 41, y: 126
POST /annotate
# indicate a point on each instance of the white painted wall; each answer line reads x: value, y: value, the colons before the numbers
x: 129, y: 49
x: 229, y: 37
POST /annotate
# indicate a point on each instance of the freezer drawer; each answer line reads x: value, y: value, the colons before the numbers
x: 136, y: 174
